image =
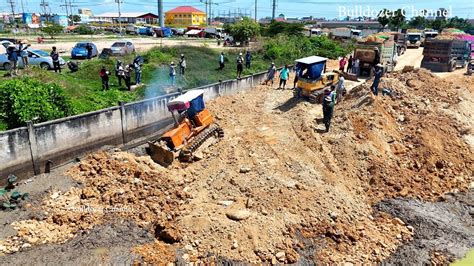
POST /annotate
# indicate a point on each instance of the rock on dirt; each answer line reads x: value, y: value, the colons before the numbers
x: 238, y: 215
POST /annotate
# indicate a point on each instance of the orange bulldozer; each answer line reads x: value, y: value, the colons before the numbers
x: 194, y: 125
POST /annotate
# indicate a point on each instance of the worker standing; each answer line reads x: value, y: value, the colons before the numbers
x: 240, y: 65
x: 349, y: 64
x: 172, y: 74
x: 119, y: 72
x: 221, y: 61
x: 284, y: 73
x: 342, y: 64
x: 55, y: 56
x: 127, y: 74
x: 104, y: 75
x: 89, y: 51
x: 295, y: 80
x: 23, y: 45
x: 377, y: 76
x: 329, y: 99
x: 138, y: 72
x: 355, y: 67
x: 377, y: 56
x: 182, y: 65
x: 341, y: 89
x: 248, y: 59
x: 271, y: 74
x: 12, y: 54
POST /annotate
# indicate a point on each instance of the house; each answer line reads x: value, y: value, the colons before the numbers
x: 185, y: 15
x: 127, y: 17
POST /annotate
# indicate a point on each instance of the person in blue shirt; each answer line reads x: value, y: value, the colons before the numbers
x: 248, y: 59
x: 284, y: 73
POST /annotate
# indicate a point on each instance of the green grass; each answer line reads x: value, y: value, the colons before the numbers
x: 85, y: 90
x: 467, y: 260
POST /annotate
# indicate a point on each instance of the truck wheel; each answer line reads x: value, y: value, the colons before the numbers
x: 452, y: 66
x: 7, y: 66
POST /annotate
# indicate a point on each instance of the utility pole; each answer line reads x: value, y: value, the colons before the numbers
x: 210, y: 11
x: 160, y: 13
x: 120, y: 15
x: 12, y: 5
x: 273, y: 9
x: 44, y: 5
x: 256, y: 11
x: 22, y: 7
x: 66, y: 4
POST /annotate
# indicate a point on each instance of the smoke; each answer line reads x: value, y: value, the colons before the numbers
x: 160, y: 83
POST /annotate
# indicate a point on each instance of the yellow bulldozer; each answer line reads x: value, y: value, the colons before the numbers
x: 313, y: 78
x: 193, y: 125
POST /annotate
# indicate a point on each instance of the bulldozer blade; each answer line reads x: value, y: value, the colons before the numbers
x: 160, y: 155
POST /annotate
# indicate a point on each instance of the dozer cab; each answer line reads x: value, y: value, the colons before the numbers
x: 194, y: 124
x: 312, y: 78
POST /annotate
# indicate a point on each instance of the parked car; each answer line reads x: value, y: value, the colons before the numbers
x: 122, y: 48
x: 35, y: 57
x: 80, y: 51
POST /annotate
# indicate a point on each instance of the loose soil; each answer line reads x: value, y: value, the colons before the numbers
x: 278, y: 189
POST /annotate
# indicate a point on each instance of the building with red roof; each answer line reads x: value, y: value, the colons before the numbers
x: 185, y: 16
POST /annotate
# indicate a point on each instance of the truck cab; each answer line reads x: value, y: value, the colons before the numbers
x: 413, y: 39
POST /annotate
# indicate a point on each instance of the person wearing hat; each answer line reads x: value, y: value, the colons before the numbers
x: 329, y: 100
x: 378, y: 71
x: 23, y: 45
x: 284, y: 73
x: 240, y: 65
x: 173, y: 74
x: 12, y: 54
x: 182, y: 65
x: 270, y: 74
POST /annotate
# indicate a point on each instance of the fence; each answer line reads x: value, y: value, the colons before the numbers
x: 30, y: 150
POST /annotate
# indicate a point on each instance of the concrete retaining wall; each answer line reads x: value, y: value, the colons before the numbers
x: 27, y: 150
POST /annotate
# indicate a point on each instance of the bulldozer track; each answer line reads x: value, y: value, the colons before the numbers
x: 213, y: 130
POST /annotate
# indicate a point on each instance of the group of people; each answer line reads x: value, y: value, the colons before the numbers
x: 240, y: 61
x: 123, y: 72
x: 353, y: 65
x: 16, y: 52
x: 182, y: 69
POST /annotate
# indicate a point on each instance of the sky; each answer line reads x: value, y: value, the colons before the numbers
x: 291, y: 8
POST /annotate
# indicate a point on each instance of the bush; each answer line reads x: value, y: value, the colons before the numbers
x: 284, y: 48
x: 22, y: 100
x: 84, y: 30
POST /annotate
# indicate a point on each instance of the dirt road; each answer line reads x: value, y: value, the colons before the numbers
x: 412, y: 57
x: 141, y: 44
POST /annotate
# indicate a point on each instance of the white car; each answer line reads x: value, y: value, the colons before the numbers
x: 122, y: 48
x: 35, y: 58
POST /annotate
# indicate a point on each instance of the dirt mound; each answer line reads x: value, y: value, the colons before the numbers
x: 275, y: 189
x: 114, y: 185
